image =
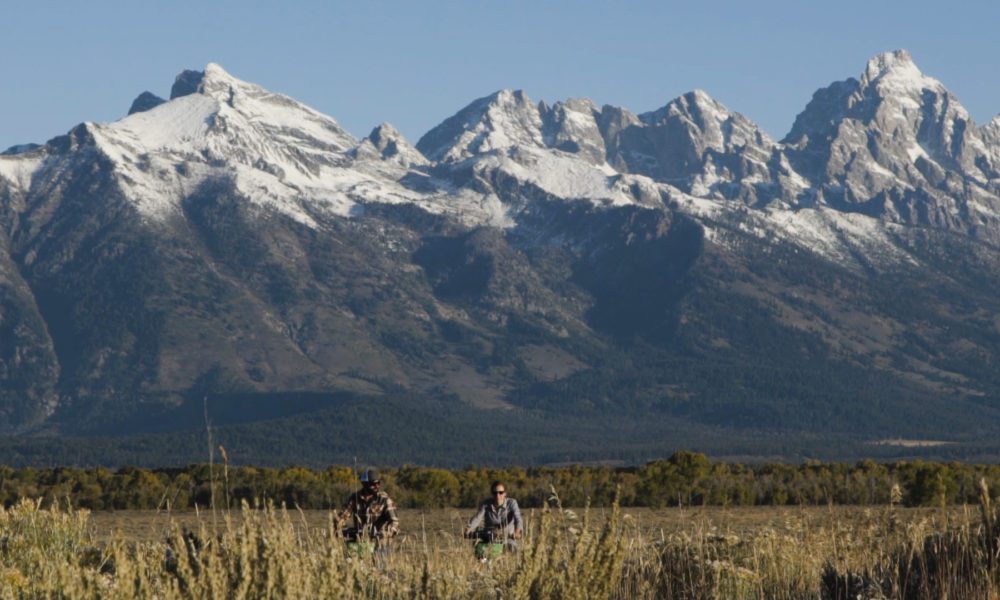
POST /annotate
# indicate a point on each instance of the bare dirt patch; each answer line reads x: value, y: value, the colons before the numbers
x: 549, y: 363
x: 472, y: 387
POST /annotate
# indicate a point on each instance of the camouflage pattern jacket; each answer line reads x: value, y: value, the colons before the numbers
x: 373, y: 515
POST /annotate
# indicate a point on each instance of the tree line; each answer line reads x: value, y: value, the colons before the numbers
x: 685, y: 479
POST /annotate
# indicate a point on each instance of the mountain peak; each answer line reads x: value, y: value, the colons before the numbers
x: 580, y: 105
x: 385, y: 131
x: 272, y: 147
x: 215, y: 70
x: 387, y: 143
x: 702, y: 100
x: 213, y: 81
x: 696, y: 105
x: 496, y: 122
x: 886, y: 61
x: 145, y: 101
x: 186, y: 83
x: 507, y: 96
x: 898, y: 69
x: 215, y: 76
x: 218, y: 83
x: 700, y: 96
x: 703, y: 116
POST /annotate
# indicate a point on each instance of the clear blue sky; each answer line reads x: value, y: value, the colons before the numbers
x: 415, y: 63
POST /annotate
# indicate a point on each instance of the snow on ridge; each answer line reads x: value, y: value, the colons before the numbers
x: 896, y: 71
x: 852, y: 240
x: 896, y: 63
x: 509, y: 119
x: 894, y: 74
x: 18, y: 169
x: 276, y: 150
x: 564, y: 176
x: 286, y: 156
x: 279, y: 153
x: 846, y: 238
x: 177, y: 125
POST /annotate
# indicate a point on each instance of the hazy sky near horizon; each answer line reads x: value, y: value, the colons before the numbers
x: 413, y: 64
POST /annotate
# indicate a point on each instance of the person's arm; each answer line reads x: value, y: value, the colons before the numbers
x: 350, y: 510
x: 392, y: 527
x: 343, y: 514
x: 477, y: 519
x: 515, y: 517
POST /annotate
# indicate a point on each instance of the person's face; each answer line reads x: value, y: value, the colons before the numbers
x: 499, y: 493
x: 371, y: 487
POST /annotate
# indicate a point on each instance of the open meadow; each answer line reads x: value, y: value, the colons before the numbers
x: 649, y: 523
x: 690, y: 553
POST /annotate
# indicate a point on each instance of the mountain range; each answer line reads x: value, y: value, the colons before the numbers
x: 526, y: 282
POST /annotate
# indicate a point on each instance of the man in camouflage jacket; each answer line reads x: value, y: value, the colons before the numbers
x: 371, y: 510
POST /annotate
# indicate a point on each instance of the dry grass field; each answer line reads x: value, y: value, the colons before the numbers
x: 150, y: 526
x: 687, y: 553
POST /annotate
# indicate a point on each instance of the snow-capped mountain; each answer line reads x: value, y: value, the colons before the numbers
x: 556, y: 152
x: 563, y: 257
x: 899, y: 145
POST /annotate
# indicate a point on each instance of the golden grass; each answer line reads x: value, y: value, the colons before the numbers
x: 692, y: 554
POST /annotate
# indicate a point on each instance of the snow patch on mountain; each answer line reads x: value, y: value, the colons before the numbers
x: 176, y: 126
x: 852, y: 240
x: 564, y: 176
x: 18, y: 169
